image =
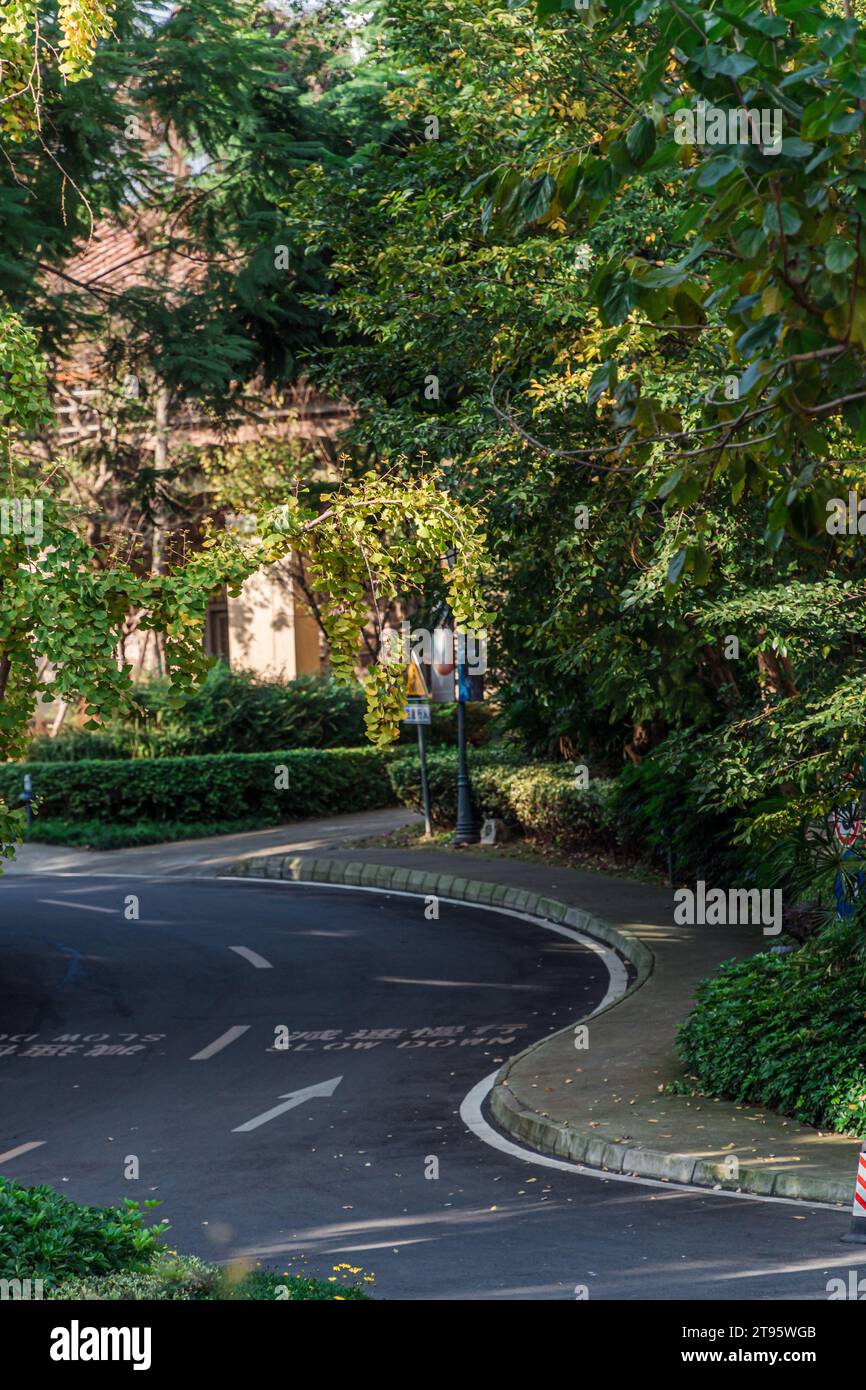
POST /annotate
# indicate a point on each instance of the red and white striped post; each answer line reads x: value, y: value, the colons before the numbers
x: 857, y: 1233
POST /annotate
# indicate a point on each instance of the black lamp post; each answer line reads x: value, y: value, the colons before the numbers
x: 466, y: 830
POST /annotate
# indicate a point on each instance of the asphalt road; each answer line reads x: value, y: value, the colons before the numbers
x: 149, y: 1043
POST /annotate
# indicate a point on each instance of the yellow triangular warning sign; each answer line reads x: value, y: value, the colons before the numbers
x: 415, y: 684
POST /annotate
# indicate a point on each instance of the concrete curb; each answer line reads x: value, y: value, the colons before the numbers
x: 541, y: 1131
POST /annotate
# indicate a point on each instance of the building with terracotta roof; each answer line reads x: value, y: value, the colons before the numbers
x: 270, y: 628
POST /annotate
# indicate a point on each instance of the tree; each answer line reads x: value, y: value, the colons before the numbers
x: 646, y: 360
x: 62, y: 603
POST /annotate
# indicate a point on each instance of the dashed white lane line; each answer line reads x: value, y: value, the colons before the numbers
x: 91, y: 888
x: 219, y: 1043
x: 253, y: 957
x: 616, y: 970
x: 22, y: 1149
x: 82, y: 907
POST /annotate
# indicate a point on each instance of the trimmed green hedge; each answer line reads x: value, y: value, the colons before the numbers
x: 214, y: 787
x: 548, y: 801
x: 785, y: 1031
x: 486, y: 768
x: 541, y: 799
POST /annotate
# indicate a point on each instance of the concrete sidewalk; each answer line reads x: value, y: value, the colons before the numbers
x: 209, y: 855
x: 605, y: 1106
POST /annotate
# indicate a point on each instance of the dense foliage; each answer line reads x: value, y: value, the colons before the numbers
x: 646, y: 361
x: 230, y: 712
x: 786, y: 1031
x: 205, y: 85
x: 107, y: 1253
x: 43, y: 1234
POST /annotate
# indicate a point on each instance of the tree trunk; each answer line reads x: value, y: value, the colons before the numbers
x: 159, y: 560
x: 646, y: 736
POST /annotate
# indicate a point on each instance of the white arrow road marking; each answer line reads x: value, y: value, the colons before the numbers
x: 219, y: 1043
x: 82, y: 907
x: 253, y: 957
x: 290, y: 1100
x: 22, y: 1149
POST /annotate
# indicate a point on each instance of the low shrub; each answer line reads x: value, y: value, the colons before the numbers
x: 405, y: 778
x: 296, y: 1288
x: 74, y: 744
x: 214, y: 787
x: 550, y: 803
x: 169, y: 1277
x: 184, y: 1277
x: 542, y: 799
x: 230, y: 712
x: 785, y: 1031
x: 44, y: 1235
x: 235, y: 712
x: 107, y: 1253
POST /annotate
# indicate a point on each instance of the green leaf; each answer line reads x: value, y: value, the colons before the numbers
x: 785, y: 215
x: 641, y: 140
x: 795, y: 148
x: 702, y: 564
x: 764, y: 333
x: 834, y: 37
x: 712, y: 171
x: 676, y: 566
x: 751, y: 376
x: 618, y: 302
x: 751, y: 242
x: 734, y: 65
x: 670, y: 482
x: 844, y: 124
x: 539, y: 195
x: 603, y: 379
x: 839, y: 255
x: 822, y: 154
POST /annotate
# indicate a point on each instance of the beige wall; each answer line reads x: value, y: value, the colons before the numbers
x: 271, y: 631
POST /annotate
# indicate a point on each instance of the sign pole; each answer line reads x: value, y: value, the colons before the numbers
x: 425, y: 786
x: 466, y: 830
x: 27, y: 797
x: 417, y: 712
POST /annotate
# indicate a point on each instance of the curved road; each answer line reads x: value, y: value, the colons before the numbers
x: 161, y: 1043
